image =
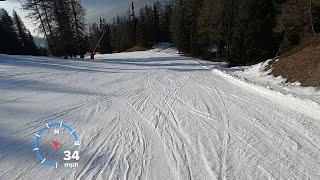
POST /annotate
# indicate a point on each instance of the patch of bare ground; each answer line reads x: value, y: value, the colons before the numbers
x: 138, y: 48
x: 302, y: 64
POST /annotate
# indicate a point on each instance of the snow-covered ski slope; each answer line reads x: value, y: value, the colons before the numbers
x: 154, y: 115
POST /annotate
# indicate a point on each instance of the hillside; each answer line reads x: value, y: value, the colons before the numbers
x: 301, y: 64
x: 150, y: 115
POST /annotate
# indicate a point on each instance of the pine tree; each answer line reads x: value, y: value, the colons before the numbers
x: 184, y: 26
x: 64, y: 40
x: 78, y: 13
x: 28, y: 46
x: 134, y: 23
x: 9, y: 41
x: 31, y: 45
x: 140, y: 31
x: 156, y: 22
x: 253, y: 41
x: 165, y: 18
x: 210, y: 26
x: 179, y: 31
x: 193, y: 10
x: 62, y: 22
x: 115, y: 34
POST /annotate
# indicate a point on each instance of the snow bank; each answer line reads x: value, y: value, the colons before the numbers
x: 303, y: 105
x: 255, y: 74
x: 258, y: 75
x: 165, y: 48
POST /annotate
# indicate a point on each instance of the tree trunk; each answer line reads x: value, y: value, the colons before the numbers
x: 44, y: 29
x: 311, y: 17
x: 49, y: 26
x: 77, y: 25
x: 229, y: 28
x: 47, y: 19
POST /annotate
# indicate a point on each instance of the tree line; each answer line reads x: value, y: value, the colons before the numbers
x: 15, y: 38
x: 240, y: 31
x: 243, y: 31
x: 150, y: 26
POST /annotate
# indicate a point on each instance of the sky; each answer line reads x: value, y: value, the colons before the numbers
x: 94, y: 8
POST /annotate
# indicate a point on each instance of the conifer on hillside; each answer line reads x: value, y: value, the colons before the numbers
x: 253, y: 41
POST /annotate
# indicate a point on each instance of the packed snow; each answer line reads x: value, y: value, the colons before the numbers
x: 154, y: 115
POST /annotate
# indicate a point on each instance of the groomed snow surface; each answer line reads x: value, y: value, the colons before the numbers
x: 154, y: 115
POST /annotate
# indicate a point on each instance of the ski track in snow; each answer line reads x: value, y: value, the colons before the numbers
x: 153, y: 115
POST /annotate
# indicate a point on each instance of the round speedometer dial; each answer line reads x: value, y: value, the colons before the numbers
x: 56, y: 135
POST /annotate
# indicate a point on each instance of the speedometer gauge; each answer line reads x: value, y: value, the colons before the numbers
x: 55, y: 140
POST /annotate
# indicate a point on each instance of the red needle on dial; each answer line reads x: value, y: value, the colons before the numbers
x: 56, y: 144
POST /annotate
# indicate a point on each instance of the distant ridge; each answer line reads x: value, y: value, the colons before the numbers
x: 40, y: 42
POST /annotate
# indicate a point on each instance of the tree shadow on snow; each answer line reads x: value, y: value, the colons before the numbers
x: 173, y: 63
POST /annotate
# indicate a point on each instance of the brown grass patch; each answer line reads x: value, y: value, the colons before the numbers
x: 138, y: 48
x: 301, y: 64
